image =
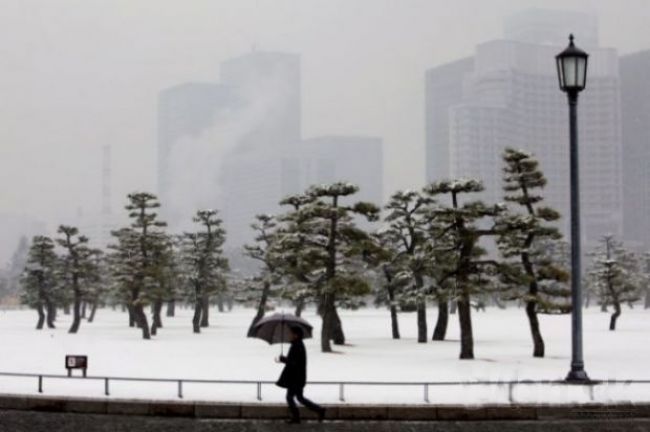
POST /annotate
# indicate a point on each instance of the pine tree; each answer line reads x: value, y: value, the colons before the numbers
x: 461, y: 222
x: 615, y: 276
x: 645, y: 273
x: 15, y: 267
x: 96, y: 279
x: 38, y: 281
x: 440, y: 248
x: 298, y: 263
x: 530, y: 277
x: 135, y: 261
x: 163, y: 270
x: 390, y: 286
x: 263, y: 251
x: 406, y: 232
x: 203, y: 256
x: 123, y: 269
x: 77, y: 268
x: 322, y: 243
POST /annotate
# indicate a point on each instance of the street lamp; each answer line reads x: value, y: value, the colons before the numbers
x: 572, y: 74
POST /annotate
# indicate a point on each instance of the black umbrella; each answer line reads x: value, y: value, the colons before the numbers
x: 276, y: 328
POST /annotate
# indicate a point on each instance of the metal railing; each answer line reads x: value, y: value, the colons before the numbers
x: 425, y: 386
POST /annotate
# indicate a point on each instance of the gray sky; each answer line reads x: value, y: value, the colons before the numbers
x: 79, y: 74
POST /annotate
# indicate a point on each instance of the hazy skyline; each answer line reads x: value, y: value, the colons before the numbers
x: 80, y: 74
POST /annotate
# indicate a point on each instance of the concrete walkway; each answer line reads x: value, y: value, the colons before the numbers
x: 26, y: 421
x: 48, y: 414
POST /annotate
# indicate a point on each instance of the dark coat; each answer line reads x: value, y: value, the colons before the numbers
x: 294, y: 374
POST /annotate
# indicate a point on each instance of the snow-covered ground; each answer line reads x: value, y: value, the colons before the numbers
x: 502, y: 349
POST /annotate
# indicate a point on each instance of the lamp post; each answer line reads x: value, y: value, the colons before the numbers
x: 572, y: 75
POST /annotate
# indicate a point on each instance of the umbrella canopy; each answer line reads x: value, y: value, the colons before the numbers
x: 276, y: 328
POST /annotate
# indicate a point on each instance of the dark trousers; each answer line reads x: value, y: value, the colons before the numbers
x: 297, y: 394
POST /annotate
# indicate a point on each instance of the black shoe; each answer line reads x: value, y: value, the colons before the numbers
x: 292, y: 421
x: 321, y: 415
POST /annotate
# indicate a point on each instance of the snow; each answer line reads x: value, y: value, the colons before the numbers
x: 502, y: 348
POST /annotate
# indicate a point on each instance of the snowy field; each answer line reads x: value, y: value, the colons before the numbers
x: 502, y: 349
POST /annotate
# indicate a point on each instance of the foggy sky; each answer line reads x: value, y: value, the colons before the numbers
x: 79, y: 74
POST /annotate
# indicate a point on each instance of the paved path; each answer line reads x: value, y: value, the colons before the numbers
x: 30, y: 421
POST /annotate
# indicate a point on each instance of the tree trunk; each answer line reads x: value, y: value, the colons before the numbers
x: 141, y: 320
x: 83, y: 309
x: 131, y: 312
x: 422, y: 321
x: 76, y: 311
x: 41, y: 316
x: 647, y: 299
x: 205, y: 312
x: 93, y: 311
x: 538, y: 341
x: 51, y: 315
x: 440, y: 331
x: 220, y: 304
x: 300, y: 306
x: 171, y: 308
x: 196, y: 319
x: 156, y: 320
x: 498, y: 302
x: 587, y: 298
x: 66, y: 309
x: 327, y: 324
x: 229, y: 303
x: 453, y: 307
x: 337, y: 331
x: 603, y: 307
x: 394, y: 323
x: 261, y: 307
x: 466, y: 336
x: 615, y: 315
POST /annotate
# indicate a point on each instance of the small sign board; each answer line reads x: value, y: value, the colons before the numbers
x: 76, y: 362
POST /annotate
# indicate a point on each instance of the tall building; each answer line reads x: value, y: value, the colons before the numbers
x: 635, y: 104
x: 255, y: 172
x: 551, y: 27
x: 444, y: 88
x: 511, y: 99
x: 188, y: 147
x: 268, y: 84
x: 256, y: 181
x: 237, y: 146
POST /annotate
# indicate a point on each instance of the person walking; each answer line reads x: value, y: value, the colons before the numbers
x: 294, y: 377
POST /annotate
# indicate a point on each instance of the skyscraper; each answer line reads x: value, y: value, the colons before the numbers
x: 511, y: 99
x: 444, y: 88
x: 256, y: 181
x: 256, y: 170
x: 237, y: 146
x: 268, y: 86
x: 635, y: 104
x: 188, y: 148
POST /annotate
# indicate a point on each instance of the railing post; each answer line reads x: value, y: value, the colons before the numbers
x: 426, y: 393
x: 341, y: 392
x: 106, y: 387
x: 40, y: 383
x: 259, y: 391
x: 511, y: 396
x: 180, y: 389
